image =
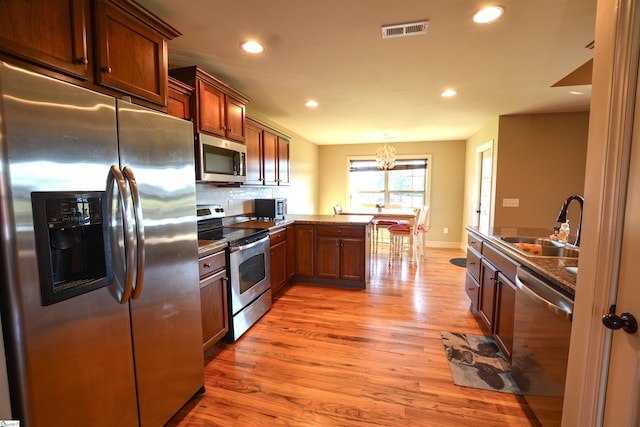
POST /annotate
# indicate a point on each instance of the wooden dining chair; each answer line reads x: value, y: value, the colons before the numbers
x: 404, y: 238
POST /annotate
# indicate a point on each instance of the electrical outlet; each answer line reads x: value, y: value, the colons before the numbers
x: 446, y: 230
x: 510, y: 203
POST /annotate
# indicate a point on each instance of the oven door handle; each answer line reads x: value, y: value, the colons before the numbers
x: 248, y: 246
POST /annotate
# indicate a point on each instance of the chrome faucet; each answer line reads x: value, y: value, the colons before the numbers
x: 562, y: 216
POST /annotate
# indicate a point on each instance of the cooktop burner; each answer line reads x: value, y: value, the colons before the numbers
x: 210, y: 228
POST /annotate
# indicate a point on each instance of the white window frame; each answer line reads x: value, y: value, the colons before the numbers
x: 427, y: 187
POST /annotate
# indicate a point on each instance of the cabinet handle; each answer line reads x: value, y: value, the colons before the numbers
x: 472, y: 263
x: 82, y: 60
x: 106, y: 70
x: 207, y: 265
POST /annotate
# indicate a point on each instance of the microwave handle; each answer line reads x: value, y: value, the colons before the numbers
x: 239, y: 163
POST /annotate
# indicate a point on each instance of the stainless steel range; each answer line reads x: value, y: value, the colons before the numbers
x: 248, y: 267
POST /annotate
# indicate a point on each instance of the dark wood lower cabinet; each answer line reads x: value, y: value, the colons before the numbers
x: 486, y: 308
x: 489, y: 284
x: 213, y: 299
x: 505, y: 309
x: 278, y: 252
x: 305, y: 250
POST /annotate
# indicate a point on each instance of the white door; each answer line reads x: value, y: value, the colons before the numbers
x: 622, y: 401
x: 485, y: 174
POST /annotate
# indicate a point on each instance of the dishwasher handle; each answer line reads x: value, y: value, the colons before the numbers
x: 544, y: 294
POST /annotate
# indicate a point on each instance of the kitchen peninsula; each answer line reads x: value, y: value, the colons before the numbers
x: 331, y: 250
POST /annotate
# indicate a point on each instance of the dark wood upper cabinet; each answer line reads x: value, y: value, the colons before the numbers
x: 50, y: 33
x: 267, y: 154
x: 131, y: 55
x: 179, y: 99
x: 255, y: 153
x: 112, y: 46
x: 218, y: 109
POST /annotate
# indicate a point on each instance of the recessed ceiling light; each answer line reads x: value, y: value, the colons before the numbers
x: 488, y: 14
x: 576, y: 92
x: 252, y: 46
x: 448, y: 92
x: 311, y: 103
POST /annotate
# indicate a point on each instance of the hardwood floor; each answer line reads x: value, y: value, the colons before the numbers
x: 333, y: 357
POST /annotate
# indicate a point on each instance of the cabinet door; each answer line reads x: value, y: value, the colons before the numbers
x: 305, y: 250
x: 213, y: 304
x: 506, y: 301
x: 179, y: 99
x: 352, y: 259
x: 270, y: 141
x: 131, y: 57
x: 210, y: 109
x: 278, y: 267
x: 328, y: 257
x: 253, y: 141
x: 291, y: 254
x: 488, y: 278
x: 51, y: 33
x: 234, y: 126
x: 283, y: 161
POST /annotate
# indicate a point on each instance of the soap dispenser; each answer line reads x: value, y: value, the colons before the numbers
x: 563, y: 235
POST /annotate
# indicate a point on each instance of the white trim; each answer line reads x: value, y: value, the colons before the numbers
x: 427, y: 190
x: 615, y: 64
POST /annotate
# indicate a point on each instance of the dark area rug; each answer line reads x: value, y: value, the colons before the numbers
x: 476, y: 361
x: 460, y: 262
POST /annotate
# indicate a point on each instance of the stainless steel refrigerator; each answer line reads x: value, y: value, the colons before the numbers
x: 100, y: 293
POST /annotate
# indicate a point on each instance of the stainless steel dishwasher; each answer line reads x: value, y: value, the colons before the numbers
x: 542, y: 329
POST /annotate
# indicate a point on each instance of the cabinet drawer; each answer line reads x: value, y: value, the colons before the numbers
x: 277, y: 237
x: 475, y: 242
x: 339, y: 231
x: 473, y: 263
x: 472, y: 288
x: 212, y: 263
x: 504, y: 264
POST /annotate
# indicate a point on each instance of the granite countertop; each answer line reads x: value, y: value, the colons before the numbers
x: 551, y: 268
x: 206, y: 247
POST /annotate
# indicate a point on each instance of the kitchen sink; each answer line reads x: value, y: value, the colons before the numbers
x: 536, y: 246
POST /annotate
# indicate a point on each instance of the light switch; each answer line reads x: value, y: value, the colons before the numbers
x: 510, y: 203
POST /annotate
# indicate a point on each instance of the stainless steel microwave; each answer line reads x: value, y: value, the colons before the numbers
x: 220, y: 160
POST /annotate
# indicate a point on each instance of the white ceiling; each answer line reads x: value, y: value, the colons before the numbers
x: 332, y: 51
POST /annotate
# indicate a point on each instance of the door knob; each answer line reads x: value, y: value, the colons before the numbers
x: 625, y: 321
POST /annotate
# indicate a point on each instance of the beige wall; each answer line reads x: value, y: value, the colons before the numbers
x: 488, y: 133
x: 541, y: 160
x: 447, y: 178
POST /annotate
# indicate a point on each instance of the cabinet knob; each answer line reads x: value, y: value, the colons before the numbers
x: 207, y: 265
x: 82, y: 60
x: 106, y: 70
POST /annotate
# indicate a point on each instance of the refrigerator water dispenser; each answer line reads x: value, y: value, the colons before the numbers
x: 71, y: 243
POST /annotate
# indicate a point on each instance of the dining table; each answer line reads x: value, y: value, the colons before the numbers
x: 398, y: 214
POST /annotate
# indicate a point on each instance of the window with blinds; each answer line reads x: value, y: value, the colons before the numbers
x: 403, y: 186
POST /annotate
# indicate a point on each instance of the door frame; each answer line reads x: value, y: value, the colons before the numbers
x: 478, y: 183
x: 610, y: 131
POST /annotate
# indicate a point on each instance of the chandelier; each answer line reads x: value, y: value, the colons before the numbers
x: 386, y: 157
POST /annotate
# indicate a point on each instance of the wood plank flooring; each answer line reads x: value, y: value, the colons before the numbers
x: 333, y: 357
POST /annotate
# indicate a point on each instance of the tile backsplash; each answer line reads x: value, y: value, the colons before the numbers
x: 235, y: 200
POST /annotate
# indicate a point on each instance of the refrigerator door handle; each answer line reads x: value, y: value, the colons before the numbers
x: 139, y: 225
x: 115, y: 175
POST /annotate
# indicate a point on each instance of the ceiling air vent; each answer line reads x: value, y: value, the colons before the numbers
x: 404, y: 30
